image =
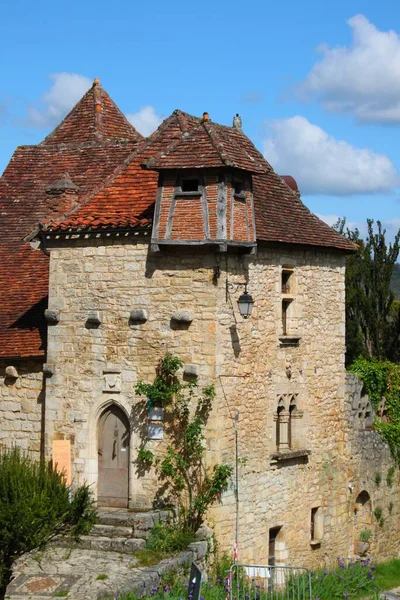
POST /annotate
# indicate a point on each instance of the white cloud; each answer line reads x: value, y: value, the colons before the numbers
x: 362, y: 79
x: 65, y: 92
x: 145, y: 120
x: 321, y: 164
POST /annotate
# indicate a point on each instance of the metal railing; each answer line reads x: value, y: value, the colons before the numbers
x: 269, y: 582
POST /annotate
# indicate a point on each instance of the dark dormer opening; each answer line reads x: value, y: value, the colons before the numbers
x: 239, y: 190
x: 191, y: 184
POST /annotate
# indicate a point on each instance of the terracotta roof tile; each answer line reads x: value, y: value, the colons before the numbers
x: 26, y: 198
x: 109, y: 189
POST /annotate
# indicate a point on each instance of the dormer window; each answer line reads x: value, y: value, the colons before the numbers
x: 239, y: 191
x: 190, y: 184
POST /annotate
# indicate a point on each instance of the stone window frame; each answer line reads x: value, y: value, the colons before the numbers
x: 287, y: 286
x: 286, y: 412
x: 316, y: 525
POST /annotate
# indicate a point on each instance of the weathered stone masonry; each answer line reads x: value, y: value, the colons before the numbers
x: 252, y: 367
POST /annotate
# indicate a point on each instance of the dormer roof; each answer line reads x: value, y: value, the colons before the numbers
x: 209, y: 145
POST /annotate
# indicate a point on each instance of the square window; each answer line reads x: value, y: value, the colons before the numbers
x: 190, y: 185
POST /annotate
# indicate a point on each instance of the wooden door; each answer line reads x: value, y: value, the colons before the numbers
x: 113, y: 452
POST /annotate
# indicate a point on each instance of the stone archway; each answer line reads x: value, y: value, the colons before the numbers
x: 113, y: 438
x: 362, y: 517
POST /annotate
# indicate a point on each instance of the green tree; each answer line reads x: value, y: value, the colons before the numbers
x: 182, y: 468
x: 372, y: 316
x: 35, y: 505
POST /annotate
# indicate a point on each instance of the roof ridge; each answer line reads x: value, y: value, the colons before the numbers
x: 95, y: 117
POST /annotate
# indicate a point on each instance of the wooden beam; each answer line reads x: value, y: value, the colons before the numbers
x: 221, y: 207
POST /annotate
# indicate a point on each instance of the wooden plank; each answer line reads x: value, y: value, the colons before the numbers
x: 221, y: 207
x: 62, y: 458
x: 203, y: 189
x: 157, y: 208
x: 177, y: 189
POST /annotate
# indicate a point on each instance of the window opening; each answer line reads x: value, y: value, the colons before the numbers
x: 238, y: 189
x: 285, y: 316
x: 292, y: 410
x: 190, y: 185
x: 316, y: 525
x: 286, y: 280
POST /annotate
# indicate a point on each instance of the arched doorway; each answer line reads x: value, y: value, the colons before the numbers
x: 113, y: 455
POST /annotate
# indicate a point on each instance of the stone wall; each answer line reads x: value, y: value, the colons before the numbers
x: 21, y: 404
x: 297, y: 457
x: 370, y: 464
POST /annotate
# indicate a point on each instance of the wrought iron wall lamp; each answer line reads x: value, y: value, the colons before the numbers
x: 245, y: 301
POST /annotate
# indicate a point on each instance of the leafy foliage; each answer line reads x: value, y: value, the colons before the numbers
x: 35, y: 505
x: 372, y: 315
x: 194, y: 487
x: 382, y: 380
x: 168, y: 538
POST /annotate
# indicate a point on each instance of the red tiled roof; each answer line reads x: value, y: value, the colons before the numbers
x: 25, y: 199
x: 209, y: 145
x: 96, y: 118
x: 108, y: 188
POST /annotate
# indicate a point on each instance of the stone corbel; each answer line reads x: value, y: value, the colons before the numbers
x: 138, y: 315
x: 182, y: 316
x: 93, y: 318
x: 52, y: 316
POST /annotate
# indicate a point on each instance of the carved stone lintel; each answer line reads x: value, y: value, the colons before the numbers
x: 112, y: 382
x: 52, y: 316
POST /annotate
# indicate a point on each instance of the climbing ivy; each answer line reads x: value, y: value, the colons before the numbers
x: 382, y: 379
x: 182, y: 466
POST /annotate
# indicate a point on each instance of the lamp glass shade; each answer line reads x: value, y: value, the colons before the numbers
x: 245, y: 304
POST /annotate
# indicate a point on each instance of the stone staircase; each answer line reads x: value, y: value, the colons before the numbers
x: 96, y: 565
x: 118, y: 530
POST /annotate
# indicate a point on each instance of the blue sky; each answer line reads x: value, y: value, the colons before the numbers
x: 317, y: 84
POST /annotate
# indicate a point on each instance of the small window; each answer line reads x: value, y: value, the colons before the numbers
x: 238, y: 188
x: 286, y: 281
x: 316, y: 525
x: 285, y: 316
x: 190, y: 185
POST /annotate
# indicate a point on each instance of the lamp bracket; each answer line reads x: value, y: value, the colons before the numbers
x: 231, y: 288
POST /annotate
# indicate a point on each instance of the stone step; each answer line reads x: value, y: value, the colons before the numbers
x: 122, y: 545
x: 111, y: 531
x: 140, y: 522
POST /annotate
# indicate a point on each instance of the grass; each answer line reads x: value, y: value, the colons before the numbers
x: 101, y: 577
x: 147, y: 557
x: 61, y: 594
x: 350, y: 581
x: 388, y: 574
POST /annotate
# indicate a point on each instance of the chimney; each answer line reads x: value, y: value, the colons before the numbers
x: 206, y: 116
x: 237, y: 122
x: 62, y: 195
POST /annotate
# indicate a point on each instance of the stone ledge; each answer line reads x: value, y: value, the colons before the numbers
x: 289, y: 340
x: 290, y: 455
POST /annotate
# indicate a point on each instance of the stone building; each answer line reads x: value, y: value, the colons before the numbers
x: 117, y: 248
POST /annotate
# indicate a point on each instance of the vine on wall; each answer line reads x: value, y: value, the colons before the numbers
x: 182, y: 468
x: 382, y: 380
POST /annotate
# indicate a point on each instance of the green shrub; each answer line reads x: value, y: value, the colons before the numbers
x: 167, y: 539
x: 389, y: 476
x: 378, y: 479
x: 365, y: 535
x: 378, y: 513
x: 35, y: 505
